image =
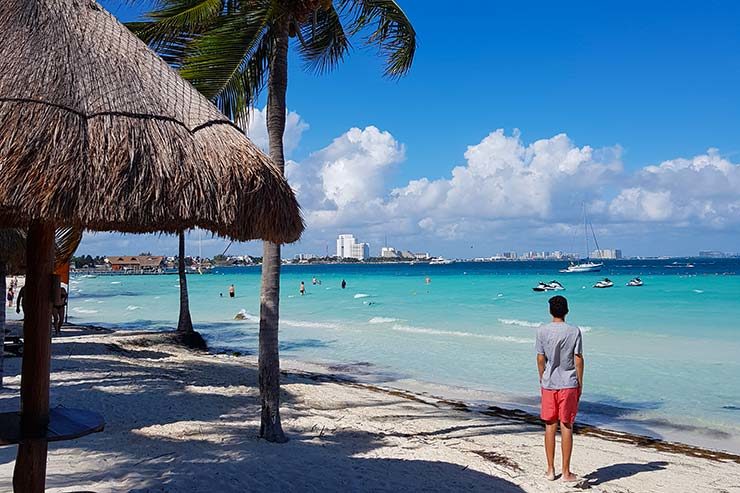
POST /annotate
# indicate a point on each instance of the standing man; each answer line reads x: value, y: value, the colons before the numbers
x: 232, y: 291
x: 560, y: 365
x: 57, y: 312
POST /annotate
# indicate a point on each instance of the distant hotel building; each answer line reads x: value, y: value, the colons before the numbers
x: 347, y: 247
x: 389, y: 252
x: 608, y: 254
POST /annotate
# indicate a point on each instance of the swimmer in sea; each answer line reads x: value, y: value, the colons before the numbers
x: 303, y: 288
x: 232, y: 291
x: 313, y: 281
x: 428, y: 280
x: 344, y: 284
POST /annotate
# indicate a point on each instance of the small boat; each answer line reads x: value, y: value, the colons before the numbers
x: 635, y: 282
x: 548, y: 286
x: 440, y: 261
x: 676, y: 265
x: 583, y: 267
x: 604, y: 283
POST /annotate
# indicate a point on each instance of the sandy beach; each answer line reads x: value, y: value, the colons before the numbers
x: 180, y: 421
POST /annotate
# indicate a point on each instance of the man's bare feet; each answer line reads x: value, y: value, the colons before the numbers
x: 569, y: 477
x: 550, y: 475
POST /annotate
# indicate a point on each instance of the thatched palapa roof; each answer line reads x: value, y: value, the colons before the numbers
x: 98, y: 132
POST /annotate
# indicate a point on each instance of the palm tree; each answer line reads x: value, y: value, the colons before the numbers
x: 184, y: 323
x: 231, y: 50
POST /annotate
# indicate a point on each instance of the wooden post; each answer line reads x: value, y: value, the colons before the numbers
x: 29, y: 475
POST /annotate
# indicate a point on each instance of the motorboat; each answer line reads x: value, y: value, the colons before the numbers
x: 548, y: 286
x: 583, y: 267
x: 676, y: 265
x: 604, y: 283
x: 440, y: 261
x: 636, y: 282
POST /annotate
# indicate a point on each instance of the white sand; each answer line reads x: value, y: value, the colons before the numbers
x: 184, y: 422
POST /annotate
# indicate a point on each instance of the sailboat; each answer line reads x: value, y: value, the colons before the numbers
x: 586, y: 265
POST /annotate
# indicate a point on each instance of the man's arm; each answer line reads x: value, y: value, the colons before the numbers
x: 541, y: 364
x: 579, y: 372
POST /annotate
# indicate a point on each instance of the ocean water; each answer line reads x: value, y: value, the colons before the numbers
x: 661, y: 360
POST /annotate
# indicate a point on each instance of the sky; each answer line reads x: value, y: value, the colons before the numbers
x: 513, y: 116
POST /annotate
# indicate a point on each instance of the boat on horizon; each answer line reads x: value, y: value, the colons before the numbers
x: 676, y: 265
x: 440, y: 261
x: 586, y: 265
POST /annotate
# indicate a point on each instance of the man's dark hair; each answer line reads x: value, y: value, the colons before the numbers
x: 558, y: 306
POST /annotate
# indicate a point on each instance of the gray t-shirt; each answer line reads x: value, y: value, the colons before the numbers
x: 559, y: 342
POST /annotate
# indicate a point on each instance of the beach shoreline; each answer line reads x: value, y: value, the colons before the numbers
x: 359, y: 437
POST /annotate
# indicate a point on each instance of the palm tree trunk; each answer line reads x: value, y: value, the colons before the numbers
x: 269, y: 357
x: 185, y: 323
x: 4, y: 290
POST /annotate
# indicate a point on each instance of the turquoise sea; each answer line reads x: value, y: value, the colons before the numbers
x: 661, y: 360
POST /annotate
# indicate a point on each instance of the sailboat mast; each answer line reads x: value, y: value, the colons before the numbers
x: 585, y: 229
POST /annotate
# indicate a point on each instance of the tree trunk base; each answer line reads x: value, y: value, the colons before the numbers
x: 271, y: 431
x: 191, y: 340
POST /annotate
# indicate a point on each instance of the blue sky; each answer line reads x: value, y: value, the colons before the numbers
x: 641, y: 83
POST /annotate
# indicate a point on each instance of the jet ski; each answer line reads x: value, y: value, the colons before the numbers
x: 548, y: 286
x: 605, y: 283
x: 635, y: 282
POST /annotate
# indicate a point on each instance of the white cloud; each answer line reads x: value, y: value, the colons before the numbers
x: 703, y: 191
x: 508, y: 189
x: 256, y: 130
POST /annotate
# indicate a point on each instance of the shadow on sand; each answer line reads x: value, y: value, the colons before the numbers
x: 622, y: 470
x: 212, y: 406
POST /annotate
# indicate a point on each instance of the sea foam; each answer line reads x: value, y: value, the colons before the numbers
x: 362, y: 295
x: 454, y: 333
x: 83, y: 310
x: 520, y: 323
x: 382, y: 320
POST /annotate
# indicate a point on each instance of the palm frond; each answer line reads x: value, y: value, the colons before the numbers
x: 323, y: 41
x: 223, y: 53
x: 177, y: 18
x: 240, y: 94
x: 390, y: 30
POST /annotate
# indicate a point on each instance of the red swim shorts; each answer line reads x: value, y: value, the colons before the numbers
x: 560, y: 405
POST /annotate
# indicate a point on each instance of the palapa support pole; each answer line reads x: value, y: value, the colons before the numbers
x: 29, y: 475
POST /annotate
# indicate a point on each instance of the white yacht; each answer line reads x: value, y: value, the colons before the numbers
x: 440, y: 261
x: 587, y: 266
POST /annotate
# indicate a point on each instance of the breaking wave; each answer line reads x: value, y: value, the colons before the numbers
x: 520, y: 323
x: 454, y: 333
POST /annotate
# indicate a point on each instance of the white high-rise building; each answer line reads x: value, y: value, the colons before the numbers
x: 347, y: 247
x: 607, y: 253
